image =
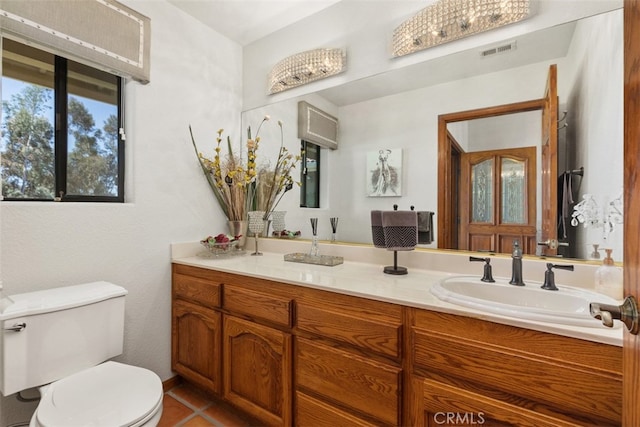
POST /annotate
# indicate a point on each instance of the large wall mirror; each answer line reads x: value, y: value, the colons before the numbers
x: 399, y: 111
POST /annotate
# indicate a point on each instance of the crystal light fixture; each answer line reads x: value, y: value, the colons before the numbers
x: 448, y: 20
x: 305, y: 67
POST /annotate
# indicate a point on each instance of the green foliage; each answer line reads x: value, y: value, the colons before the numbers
x: 27, y: 156
x: 28, y: 165
x: 89, y: 170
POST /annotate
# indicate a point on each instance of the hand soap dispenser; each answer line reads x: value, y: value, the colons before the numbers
x: 609, y: 278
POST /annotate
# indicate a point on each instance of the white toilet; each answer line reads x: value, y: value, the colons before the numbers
x: 59, y: 340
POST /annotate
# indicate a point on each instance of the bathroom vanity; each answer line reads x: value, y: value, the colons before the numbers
x: 293, y: 344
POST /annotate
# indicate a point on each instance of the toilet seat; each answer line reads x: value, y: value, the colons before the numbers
x: 111, y: 394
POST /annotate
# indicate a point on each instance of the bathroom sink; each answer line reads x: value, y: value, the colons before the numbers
x: 567, y: 306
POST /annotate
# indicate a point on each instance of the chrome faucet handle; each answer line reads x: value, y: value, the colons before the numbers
x: 627, y: 313
x: 549, y: 276
x: 487, y: 276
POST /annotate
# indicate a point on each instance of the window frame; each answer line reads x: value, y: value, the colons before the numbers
x: 60, y: 144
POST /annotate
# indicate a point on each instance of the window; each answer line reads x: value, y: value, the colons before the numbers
x: 60, y: 134
x: 310, y: 175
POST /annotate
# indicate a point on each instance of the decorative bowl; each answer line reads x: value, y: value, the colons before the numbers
x: 221, y: 249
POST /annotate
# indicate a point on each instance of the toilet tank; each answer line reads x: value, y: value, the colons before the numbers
x: 66, y: 330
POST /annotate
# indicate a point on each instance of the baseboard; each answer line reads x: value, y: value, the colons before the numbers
x: 171, y: 383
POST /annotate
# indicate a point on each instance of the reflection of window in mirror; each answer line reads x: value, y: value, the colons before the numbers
x: 310, y: 175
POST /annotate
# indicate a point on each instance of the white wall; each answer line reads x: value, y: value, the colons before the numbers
x: 598, y: 124
x: 195, y: 79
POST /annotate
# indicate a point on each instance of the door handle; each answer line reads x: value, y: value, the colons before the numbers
x: 552, y: 244
x: 17, y: 327
x: 627, y: 313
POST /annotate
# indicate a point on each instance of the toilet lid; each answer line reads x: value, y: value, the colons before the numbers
x: 111, y: 394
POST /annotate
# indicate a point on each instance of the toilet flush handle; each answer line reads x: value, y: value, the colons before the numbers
x: 17, y: 327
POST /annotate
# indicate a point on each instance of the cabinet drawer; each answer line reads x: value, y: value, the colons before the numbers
x: 314, y: 413
x: 257, y: 305
x: 447, y: 405
x: 361, y: 331
x: 563, y: 373
x: 368, y: 387
x: 200, y: 291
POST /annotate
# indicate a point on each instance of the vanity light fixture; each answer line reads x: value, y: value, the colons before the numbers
x: 305, y: 67
x: 448, y: 20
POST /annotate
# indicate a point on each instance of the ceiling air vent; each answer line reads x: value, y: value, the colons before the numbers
x: 499, y: 49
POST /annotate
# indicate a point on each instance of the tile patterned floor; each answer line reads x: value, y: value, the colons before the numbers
x: 186, y: 406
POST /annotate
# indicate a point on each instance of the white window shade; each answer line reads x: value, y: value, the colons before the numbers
x: 316, y: 126
x: 103, y: 33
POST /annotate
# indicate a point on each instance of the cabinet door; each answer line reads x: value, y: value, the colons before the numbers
x: 196, y: 344
x: 443, y: 404
x: 257, y: 370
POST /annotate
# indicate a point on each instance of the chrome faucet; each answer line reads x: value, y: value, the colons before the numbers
x: 488, y: 275
x: 549, y: 278
x: 516, y: 265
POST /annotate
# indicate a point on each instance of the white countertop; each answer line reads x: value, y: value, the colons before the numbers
x: 367, y: 280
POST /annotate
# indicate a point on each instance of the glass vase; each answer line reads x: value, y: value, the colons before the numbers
x: 239, y: 228
x: 278, y: 221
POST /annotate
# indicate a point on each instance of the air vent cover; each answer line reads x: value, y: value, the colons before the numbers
x: 505, y: 48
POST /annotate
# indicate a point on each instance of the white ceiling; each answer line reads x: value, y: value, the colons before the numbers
x: 246, y: 21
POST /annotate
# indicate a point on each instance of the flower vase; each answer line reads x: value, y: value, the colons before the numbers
x: 239, y: 228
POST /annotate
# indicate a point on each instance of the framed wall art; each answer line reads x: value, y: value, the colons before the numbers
x: 384, y: 173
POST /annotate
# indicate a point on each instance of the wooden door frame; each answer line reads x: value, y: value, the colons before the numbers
x: 446, y: 199
x: 631, y: 343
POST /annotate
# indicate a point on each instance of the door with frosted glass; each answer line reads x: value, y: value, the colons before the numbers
x: 498, y: 200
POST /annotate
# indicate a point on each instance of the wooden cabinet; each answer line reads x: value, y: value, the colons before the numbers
x: 257, y: 370
x: 291, y: 355
x: 225, y: 339
x: 196, y: 327
x: 348, y: 354
x: 510, y: 376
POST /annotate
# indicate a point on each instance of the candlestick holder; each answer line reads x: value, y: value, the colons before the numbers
x: 314, y: 251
